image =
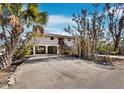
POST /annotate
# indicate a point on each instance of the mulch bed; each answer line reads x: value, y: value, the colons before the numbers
x: 5, y: 75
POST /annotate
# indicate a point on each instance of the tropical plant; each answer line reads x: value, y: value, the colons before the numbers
x: 14, y: 18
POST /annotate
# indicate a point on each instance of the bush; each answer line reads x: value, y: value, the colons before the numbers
x: 106, y: 48
x: 22, y: 53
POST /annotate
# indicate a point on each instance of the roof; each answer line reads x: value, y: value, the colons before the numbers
x: 39, y: 30
x: 56, y: 35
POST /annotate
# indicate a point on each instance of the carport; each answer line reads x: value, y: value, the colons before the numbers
x: 52, y: 50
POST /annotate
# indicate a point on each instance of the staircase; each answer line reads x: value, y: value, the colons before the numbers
x: 65, y: 49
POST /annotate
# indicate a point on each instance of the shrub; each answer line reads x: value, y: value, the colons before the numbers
x: 23, y: 52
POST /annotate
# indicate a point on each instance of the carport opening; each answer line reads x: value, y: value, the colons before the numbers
x: 52, y: 50
x: 40, y: 50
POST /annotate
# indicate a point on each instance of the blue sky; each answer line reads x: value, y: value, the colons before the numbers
x: 60, y: 14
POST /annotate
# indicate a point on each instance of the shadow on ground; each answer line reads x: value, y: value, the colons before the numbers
x: 46, y: 59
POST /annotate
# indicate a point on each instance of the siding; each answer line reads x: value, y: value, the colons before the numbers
x: 48, y: 41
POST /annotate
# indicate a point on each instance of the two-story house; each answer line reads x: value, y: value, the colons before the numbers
x: 51, y: 44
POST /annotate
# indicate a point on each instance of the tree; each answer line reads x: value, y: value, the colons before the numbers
x: 81, y: 33
x: 114, y: 15
x: 13, y: 20
x: 97, y: 28
x: 87, y: 32
x: 75, y: 49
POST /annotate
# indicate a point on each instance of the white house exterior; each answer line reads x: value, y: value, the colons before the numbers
x: 50, y: 43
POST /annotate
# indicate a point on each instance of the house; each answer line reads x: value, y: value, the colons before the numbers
x: 52, y: 44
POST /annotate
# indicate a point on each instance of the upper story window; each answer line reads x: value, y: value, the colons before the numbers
x: 69, y: 39
x: 51, y: 38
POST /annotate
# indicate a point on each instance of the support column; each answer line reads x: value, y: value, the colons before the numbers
x: 34, y: 50
x: 57, y: 49
x: 46, y: 49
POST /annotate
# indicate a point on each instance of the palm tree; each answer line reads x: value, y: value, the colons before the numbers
x: 13, y: 18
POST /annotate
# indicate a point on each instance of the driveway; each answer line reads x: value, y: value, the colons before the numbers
x: 48, y: 71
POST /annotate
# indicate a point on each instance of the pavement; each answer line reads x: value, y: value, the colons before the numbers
x: 60, y: 72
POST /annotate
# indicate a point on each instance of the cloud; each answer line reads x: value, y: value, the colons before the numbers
x: 56, y: 23
x: 55, y: 31
x: 47, y: 29
x: 59, y: 19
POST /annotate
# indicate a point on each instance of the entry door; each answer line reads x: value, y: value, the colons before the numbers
x: 52, y: 50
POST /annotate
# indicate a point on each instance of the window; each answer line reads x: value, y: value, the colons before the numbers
x: 51, y: 38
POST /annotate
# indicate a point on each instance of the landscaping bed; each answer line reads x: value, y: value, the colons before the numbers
x: 108, y: 59
x: 5, y: 74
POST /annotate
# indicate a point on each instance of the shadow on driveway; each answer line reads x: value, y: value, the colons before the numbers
x: 46, y: 58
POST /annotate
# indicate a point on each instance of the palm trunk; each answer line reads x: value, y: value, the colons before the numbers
x: 6, y: 60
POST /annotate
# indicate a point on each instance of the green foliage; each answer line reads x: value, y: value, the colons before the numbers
x: 24, y: 52
x: 106, y: 48
x: 14, y: 18
x: 33, y: 15
x: 27, y: 51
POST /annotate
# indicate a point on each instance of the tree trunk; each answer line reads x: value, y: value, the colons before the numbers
x: 116, y: 44
x: 6, y: 60
x: 82, y: 54
x: 94, y: 49
x: 78, y: 48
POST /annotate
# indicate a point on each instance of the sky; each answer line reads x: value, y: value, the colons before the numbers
x: 60, y: 14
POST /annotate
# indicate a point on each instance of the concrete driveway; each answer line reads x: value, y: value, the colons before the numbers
x: 48, y: 71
